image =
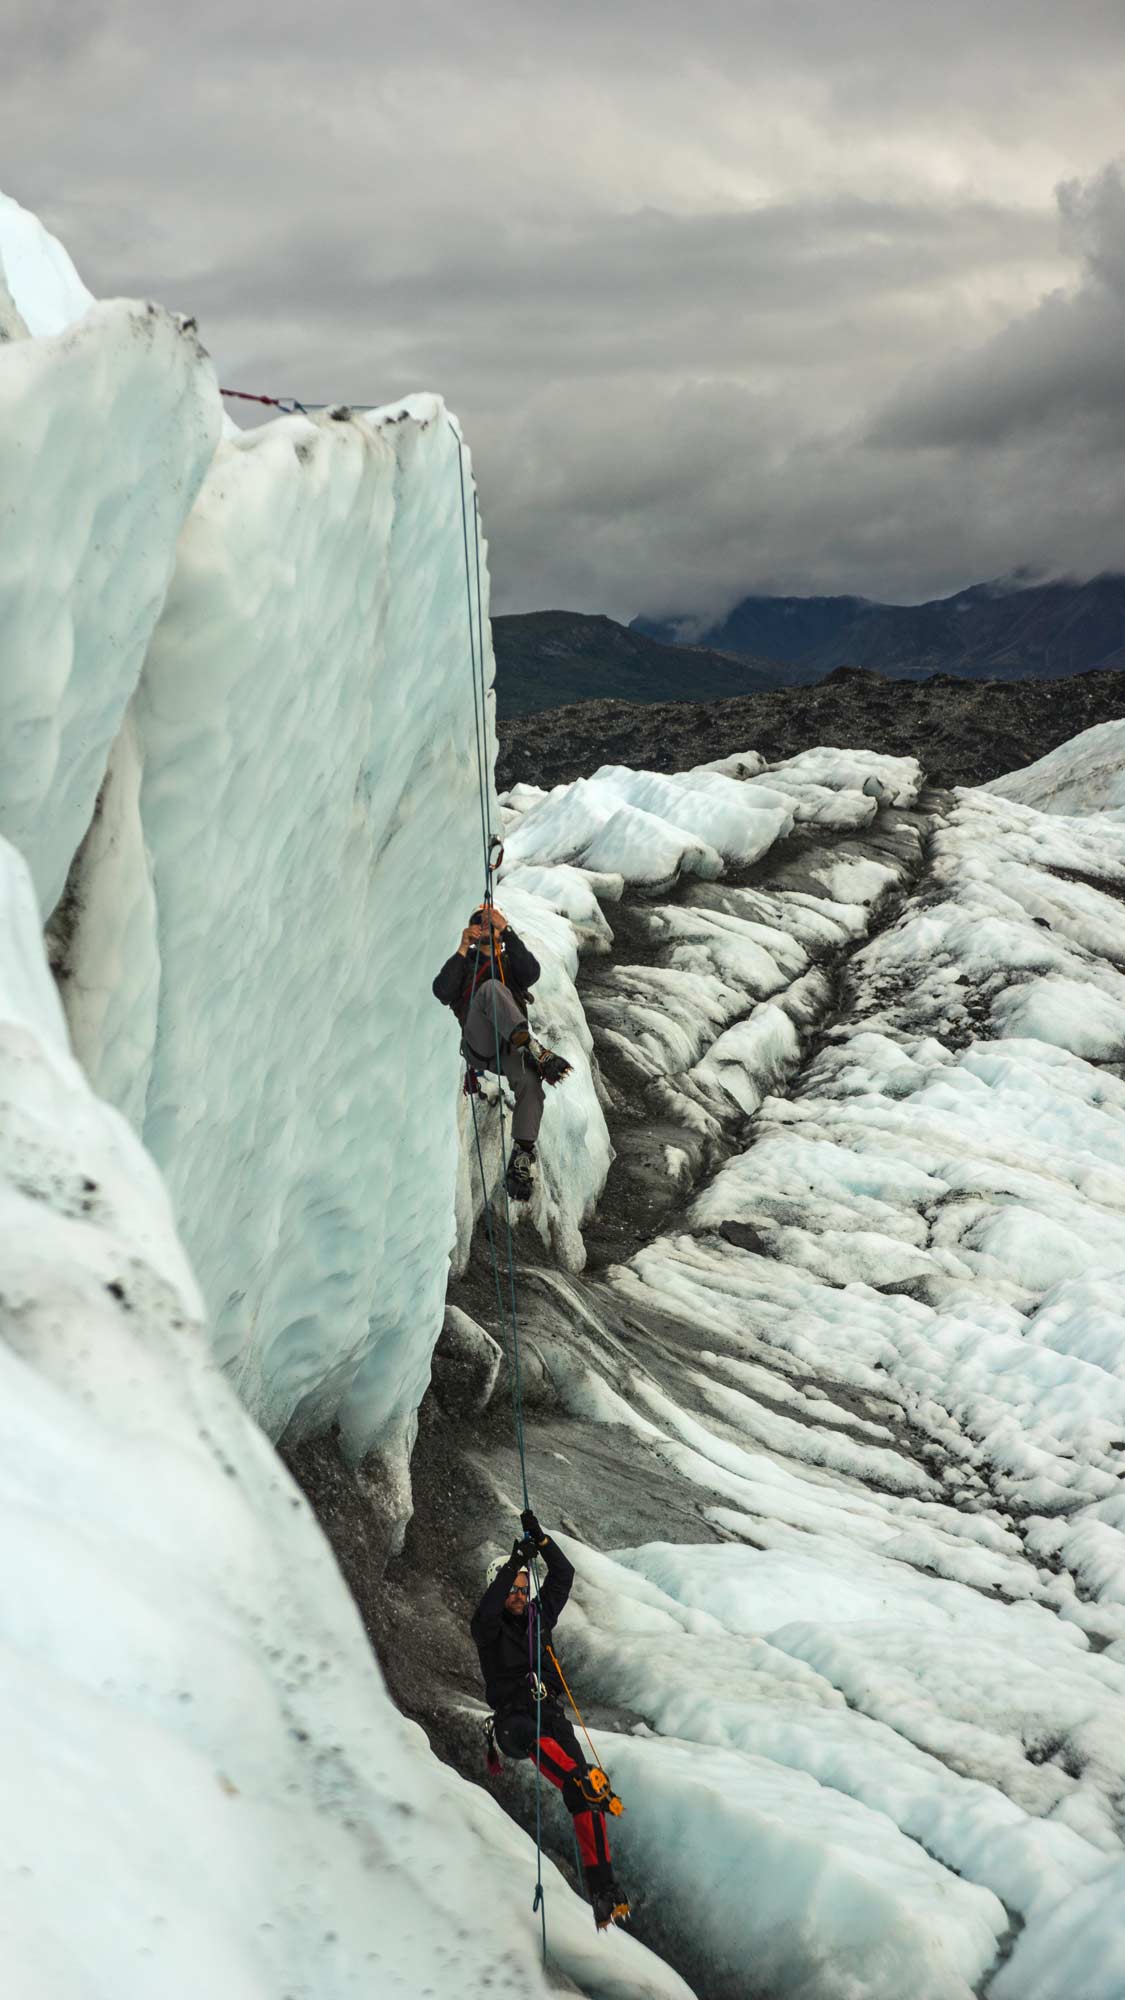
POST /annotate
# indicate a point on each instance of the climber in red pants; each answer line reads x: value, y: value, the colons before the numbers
x: 525, y: 1690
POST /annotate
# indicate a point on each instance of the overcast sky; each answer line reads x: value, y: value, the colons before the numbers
x: 735, y: 294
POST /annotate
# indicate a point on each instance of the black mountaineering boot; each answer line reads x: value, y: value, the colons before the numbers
x: 610, y: 1906
x: 520, y: 1177
x: 548, y: 1066
x: 552, y: 1068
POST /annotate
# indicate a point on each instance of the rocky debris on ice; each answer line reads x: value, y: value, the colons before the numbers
x: 964, y: 732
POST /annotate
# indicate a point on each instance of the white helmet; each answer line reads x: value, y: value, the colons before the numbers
x: 496, y: 1565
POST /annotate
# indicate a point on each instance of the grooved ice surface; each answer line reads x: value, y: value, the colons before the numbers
x: 306, y: 805
x: 206, y: 1789
x: 894, y: 1691
x: 106, y: 431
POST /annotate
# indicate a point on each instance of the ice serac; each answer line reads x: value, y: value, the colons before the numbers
x: 293, y: 806
x: 37, y: 272
x: 206, y: 1787
x: 106, y: 432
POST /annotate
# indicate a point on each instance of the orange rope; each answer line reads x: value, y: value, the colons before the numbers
x: 497, y: 956
x: 575, y: 1707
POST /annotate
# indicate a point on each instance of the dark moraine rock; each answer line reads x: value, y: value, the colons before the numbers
x: 964, y: 732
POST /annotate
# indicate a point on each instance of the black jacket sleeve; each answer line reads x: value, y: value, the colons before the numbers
x: 451, y: 978
x: 485, y: 1622
x: 522, y: 963
x: 556, y: 1590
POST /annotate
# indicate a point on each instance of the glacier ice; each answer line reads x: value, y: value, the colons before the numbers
x: 37, y: 273
x: 106, y: 432
x: 885, y: 1350
x: 304, y: 730
x: 247, y: 750
x: 264, y: 730
x: 1084, y: 775
x: 890, y: 1690
x: 207, y: 1787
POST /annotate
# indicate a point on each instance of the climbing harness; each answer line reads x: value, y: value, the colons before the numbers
x: 598, y: 1793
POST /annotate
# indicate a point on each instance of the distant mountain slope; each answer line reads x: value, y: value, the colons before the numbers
x: 998, y: 631
x: 963, y: 731
x: 547, y: 658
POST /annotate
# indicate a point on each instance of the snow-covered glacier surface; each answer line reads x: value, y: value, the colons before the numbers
x: 206, y: 1787
x: 850, y: 1623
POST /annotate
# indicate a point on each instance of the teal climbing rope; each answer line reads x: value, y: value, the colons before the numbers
x: 510, y: 1312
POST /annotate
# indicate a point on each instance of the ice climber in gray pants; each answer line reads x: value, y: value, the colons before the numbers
x: 487, y: 983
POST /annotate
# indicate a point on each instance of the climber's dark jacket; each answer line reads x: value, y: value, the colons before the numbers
x: 459, y: 976
x: 501, y: 1640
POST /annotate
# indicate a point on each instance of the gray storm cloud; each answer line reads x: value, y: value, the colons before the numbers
x: 1058, y: 371
x: 747, y: 296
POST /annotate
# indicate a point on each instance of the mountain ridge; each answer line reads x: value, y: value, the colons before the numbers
x: 550, y: 659
x: 1002, y: 629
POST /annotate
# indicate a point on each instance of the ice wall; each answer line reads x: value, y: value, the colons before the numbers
x: 296, y: 809
x: 206, y: 1788
x: 237, y: 725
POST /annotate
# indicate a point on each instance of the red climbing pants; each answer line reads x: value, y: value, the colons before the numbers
x: 560, y: 1759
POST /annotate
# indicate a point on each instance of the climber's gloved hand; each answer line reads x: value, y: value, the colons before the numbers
x: 525, y: 1550
x: 530, y: 1526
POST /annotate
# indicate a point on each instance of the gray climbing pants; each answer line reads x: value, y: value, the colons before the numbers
x: 478, y: 1046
